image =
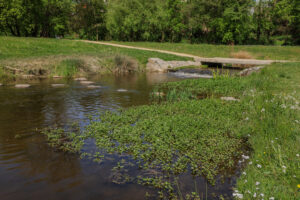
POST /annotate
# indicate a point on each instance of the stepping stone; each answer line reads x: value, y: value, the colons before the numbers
x: 22, y: 86
x: 57, y: 76
x: 93, y: 86
x: 122, y: 90
x: 80, y: 79
x: 58, y: 85
x: 86, y: 82
x: 229, y: 99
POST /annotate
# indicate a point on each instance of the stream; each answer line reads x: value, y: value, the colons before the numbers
x: 30, y: 169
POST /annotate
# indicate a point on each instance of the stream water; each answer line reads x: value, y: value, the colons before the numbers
x: 30, y: 169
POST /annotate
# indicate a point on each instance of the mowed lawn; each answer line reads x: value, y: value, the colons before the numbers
x: 20, y: 48
x: 208, y: 50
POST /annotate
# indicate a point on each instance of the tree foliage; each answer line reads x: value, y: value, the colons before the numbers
x: 218, y: 21
x: 145, y: 20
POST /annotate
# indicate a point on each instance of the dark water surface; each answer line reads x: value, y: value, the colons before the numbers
x: 30, y: 169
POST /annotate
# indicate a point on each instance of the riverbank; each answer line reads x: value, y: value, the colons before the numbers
x: 22, y: 58
x: 270, y: 122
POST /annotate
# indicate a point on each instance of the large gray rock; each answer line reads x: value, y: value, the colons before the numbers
x: 159, y: 65
x: 0, y: 84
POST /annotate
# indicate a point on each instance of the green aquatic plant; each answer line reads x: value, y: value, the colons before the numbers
x: 67, y: 141
x: 173, y: 137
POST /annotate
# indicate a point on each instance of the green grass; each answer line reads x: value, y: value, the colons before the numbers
x: 271, y: 124
x: 18, y: 48
x: 208, y: 50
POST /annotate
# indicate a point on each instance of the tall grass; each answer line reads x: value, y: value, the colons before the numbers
x: 5, y: 76
x: 69, y: 68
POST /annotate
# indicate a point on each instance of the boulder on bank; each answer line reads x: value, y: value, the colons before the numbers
x: 22, y: 85
x: 159, y: 65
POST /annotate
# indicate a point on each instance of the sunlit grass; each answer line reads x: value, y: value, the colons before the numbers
x: 209, y: 50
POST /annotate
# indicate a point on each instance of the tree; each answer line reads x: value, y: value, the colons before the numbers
x: 89, y: 19
x: 11, y: 15
x: 295, y: 24
x: 220, y: 21
x: 145, y: 20
x: 55, y: 18
x: 46, y: 18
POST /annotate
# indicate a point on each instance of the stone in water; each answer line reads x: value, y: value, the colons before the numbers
x: 58, y: 85
x: 22, y: 85
x: 122, y: 90
x: 93, y: 86
x: 57, y: 77
x: 80, y: 79
x: 86, y: 82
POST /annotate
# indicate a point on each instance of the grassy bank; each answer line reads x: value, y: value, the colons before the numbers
x: 192, y: 130
x: 271, y: 124
x: 48, y: 57
x: 208, y: 50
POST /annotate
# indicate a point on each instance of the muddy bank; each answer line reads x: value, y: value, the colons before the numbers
x: 65, y: 67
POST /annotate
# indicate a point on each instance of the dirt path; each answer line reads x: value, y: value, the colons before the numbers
x: 196, y: 58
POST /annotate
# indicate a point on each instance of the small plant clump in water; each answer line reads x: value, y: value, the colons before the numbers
x: 67, y: 141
